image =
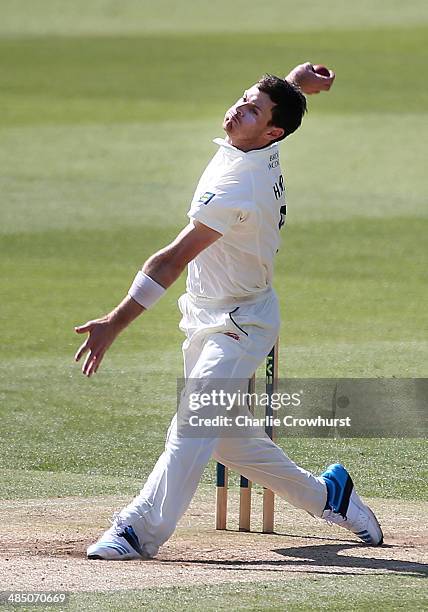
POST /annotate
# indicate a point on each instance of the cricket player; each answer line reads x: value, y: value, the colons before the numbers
x: 230, y: 317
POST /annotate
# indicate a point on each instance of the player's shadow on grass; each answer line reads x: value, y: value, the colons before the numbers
x: 315, y: 558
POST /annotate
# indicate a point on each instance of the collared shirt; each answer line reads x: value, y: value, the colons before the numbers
x: 239, y: 195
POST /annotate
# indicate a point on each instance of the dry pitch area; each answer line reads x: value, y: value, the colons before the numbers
x: 43, y: 545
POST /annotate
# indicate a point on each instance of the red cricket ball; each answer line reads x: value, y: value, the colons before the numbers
x: 322, y: 70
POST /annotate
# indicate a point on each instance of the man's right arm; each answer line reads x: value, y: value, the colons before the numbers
x: 166, y: 265
x: 162, y: 268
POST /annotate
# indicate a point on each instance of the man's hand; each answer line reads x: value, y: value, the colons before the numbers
x: 309, y: 81
x: 102, y: 333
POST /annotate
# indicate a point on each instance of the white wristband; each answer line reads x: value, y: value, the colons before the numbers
x: 145, y: 290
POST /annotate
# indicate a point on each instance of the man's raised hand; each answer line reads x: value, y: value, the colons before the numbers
x: 309, y: 81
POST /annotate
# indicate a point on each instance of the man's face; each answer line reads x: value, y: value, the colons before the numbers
x: 246, y: 123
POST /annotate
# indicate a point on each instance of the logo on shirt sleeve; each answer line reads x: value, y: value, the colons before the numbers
x: 206, y: 197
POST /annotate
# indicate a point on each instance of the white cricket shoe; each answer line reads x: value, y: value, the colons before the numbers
x: 348, y: 510
x: 119, y: 543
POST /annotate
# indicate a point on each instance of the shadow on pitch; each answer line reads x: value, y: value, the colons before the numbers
x: 315, y: 558
x: 330, y: 556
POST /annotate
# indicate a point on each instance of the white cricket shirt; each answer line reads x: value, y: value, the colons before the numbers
x: 239, y: 195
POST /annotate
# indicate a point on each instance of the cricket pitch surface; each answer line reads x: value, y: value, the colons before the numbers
x: 43, y: 544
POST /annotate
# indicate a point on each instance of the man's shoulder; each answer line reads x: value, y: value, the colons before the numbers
x: 229, y: 172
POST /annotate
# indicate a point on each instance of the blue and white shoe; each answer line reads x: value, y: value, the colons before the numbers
x: 347, y: 509
x: 119, y: 543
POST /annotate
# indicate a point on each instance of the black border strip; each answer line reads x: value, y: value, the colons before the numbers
x: 235, y: 323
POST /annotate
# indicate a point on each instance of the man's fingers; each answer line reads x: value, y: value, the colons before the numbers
x: 82, y: 349
x: 98, y: 361
x: 96, y: 364
x: 87, y: 363
x: 92, y: 363
x: 81, y: 329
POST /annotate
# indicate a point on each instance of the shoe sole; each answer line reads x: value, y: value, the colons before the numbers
x: 95, y: 557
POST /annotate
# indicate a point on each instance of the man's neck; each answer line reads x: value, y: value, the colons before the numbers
x: 246, y: 146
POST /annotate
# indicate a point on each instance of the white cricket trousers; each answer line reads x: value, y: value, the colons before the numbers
x: 209, y: 352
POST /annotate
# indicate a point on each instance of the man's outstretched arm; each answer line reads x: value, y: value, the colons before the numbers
x: 164, y: 267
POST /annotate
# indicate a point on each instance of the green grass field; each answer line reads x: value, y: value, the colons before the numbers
x: 108, y: 110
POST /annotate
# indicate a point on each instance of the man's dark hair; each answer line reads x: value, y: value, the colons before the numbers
x: 290, y: 103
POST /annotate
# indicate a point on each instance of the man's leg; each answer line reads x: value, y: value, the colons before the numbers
x: 262, y: 461
x: 169, y: 489
x: 150, y: 519
x: 332, y: 496
x: 166, y: 495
